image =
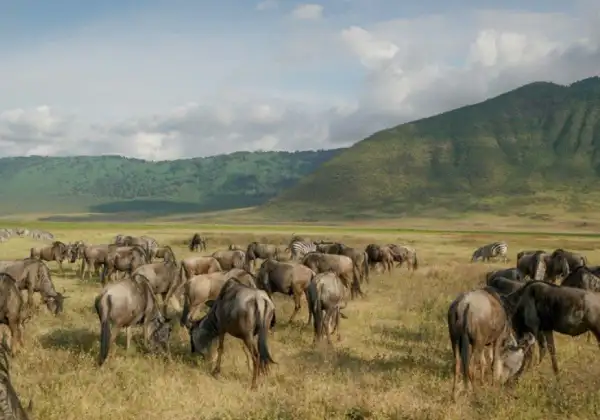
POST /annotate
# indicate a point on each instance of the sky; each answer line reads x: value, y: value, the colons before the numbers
x: 161, y: 80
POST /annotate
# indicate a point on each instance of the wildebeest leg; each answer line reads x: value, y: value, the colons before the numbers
x: 456, y: 351
x: 551, y: 350
x: 217, y: 369
x: 542, y: 345
x: 327, y: 321
x: 128, y: 334
x: 497, y: 362
x: 308, y: 305
x: 114, y: 333
x: 60, y: 266
x: 251, y: 346
x: 337, y: 324
x: 30, y: 301
x: 297, y: 306
x: 16, y: 337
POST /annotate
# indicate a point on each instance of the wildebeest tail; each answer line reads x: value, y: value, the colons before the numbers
x: 264, y: 356
x: 185, y: 313
x: 464, y: 345
x: 314, y: 306
x: 103, y: 312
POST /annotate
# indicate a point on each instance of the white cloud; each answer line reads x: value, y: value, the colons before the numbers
x: 267, y: 4
x: 308, y: 12
x: 143, y: 89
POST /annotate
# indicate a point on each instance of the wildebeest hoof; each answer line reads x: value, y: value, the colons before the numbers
x: 216, y: 374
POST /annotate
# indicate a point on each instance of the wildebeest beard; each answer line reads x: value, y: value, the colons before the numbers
x: 203, y: 333
x: 161, y: 332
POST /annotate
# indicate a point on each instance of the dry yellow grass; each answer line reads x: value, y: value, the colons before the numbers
x: 394, y: 360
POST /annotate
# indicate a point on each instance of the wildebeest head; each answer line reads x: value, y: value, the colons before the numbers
x: 55, y: 304
x: 201, y: 337
x: 161, y: 329
x: 558, y: 264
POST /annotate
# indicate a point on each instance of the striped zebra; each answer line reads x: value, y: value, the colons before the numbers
x: 493, y: 250
x: 299, y: 249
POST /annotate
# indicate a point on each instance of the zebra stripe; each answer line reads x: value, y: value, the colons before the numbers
x: 492, y: 250
x: 299, y: 249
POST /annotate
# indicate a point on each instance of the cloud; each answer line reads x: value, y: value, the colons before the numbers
x: 308, y: 12
x: 157, y: 87
x: 267, y: 4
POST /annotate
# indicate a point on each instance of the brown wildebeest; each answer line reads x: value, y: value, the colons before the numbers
x: 360, y: 258
x: 124, y: 259
x: 325, y: 302
x: 341, y: 265
x: 13, y: 311
x: 476, y: 319
x: 10, y: 405
x: 126, y: 303
x: 242, y: 312
x: 256, y: 250
x: 380, y: 254
x: 161, y: 251
x: 504, y: 286
x: 204, y: 288
x: 200, y: 265
x: 404, y: 254
x: 231, y: 259
x: 542, y: 308
x: 33, y: 275
x: 57, y: 251
x: 197, y: 241
x: 533, y: 265
x: 234, y: 247
x: 514, y: 357
x: 93, y: 257
x: 165, y: 278
x: 507, y: 273
x: 288, y: 278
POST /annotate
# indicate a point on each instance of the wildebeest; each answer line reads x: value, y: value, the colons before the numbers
x: 507, y: 273
x: 231, y: 259
x: 13, y: 311
x: 204, y: 288
x: 193, y: 266
x: 341, y: 265
x: 243, y: 312
x: 325, y: 302
x: 503, y: 285
x: 514, y: 357
x: 92, y: 258
x: 288, y: 278
x: 404, y: 254
x: 359, y: 257
x: 57, y: 251
x: 124, y: 259
x: 234, y: 247
x: 126, y: 303
x: 533, y: 265
x: 10, y: 405
x: 256, y: 250
x: 33, y: 275
x: 542, y: 308
x: 561, y: 262
x: 493, y: 250
x: 475, y: 319
x: 380, y: 254
x: 197, y: 242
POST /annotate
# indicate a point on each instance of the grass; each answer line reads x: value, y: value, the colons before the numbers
x: 394, y: 360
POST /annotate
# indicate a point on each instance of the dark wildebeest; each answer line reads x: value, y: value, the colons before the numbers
x: 533, y: 265
x: 197, y: 242
x: 330, y: 248
x: 476, y: 319
x: 561, y: 262
x: 126, y: 303
x: 200, y: 265
x: 380, y: 254
x: 243, y: 312
x: 542, y: 308
x: 288, y: 278
x: 57, y: 251
x: 13, y: 311
x: 125, y: 260
x: 204, y: 288
x: 341, y: 265
x: 33, y: 275
x: 503, y: 285
x: 231, y: 259
x: 507, y: 273
x: 404, y: 254
x: 256, y: 250
x: 325, y: 302
x: 582, y: 278
x: 10, y: 405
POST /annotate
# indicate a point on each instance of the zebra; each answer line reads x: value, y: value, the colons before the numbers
x: 492, y: 250
x: 299, y: 248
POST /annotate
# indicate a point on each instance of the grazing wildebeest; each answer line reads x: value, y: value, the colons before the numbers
x: 93, y: 257
x: 256, y: 250
x: 197, y: 241
x: 10, y: 405
x: 325, y: 302
x: 231, y: 259
x: 200, y: 265
x: 243, y: 312
x: 341, y: 265
x: 542, y: 308
x: 288, y: 278
x: 533, y: 265
x: 33, y: 275
x: 515, y: 356
x: 126, y: 303
x: 507, y: 273
x: 380, y: 254
x: 402, y: 254
x: 58, y: 252
x: 13, y: 311
x: 475, y: 319
x: 124, y: 259
x: 493, y: 250
x: 204, y: 288
x: 503, y: 285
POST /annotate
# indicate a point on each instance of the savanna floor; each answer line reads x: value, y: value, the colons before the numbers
x: 394, y: 360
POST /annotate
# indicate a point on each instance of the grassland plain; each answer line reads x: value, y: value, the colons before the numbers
x: 394, y: 360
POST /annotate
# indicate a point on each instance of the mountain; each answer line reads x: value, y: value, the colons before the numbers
x: 113, y: 184
x: 538, y: 144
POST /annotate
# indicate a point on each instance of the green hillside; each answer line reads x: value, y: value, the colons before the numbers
x: 113, y: 184
x: 538, y: 144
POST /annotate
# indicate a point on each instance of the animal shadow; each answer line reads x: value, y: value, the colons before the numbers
x: 78, y: 339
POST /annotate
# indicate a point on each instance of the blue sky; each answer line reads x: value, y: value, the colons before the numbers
x: 166, y: 79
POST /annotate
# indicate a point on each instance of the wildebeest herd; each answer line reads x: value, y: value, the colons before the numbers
x: 500, y: 322
x: 497, y: 324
